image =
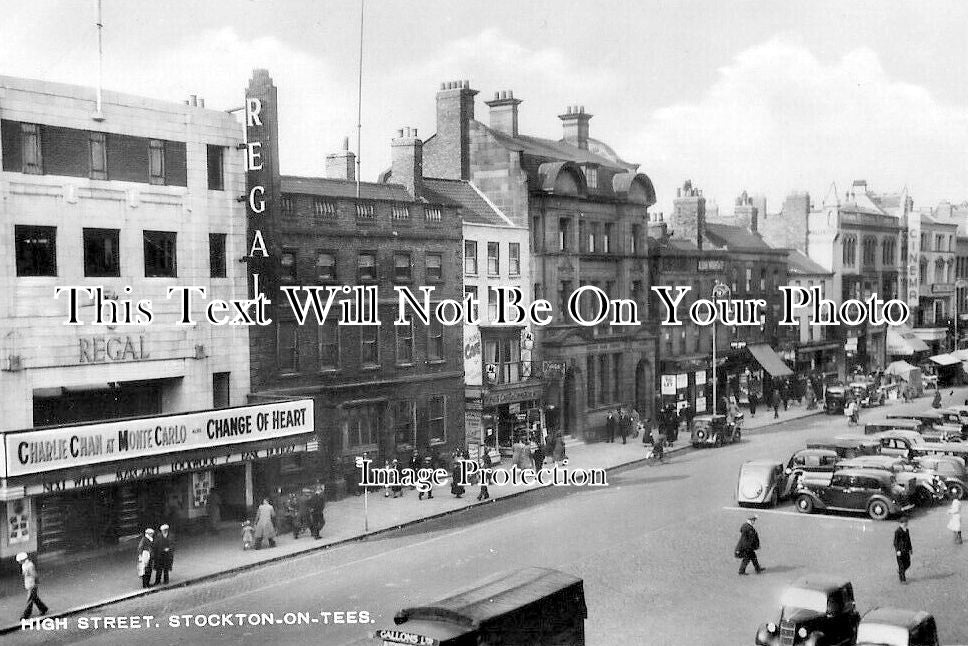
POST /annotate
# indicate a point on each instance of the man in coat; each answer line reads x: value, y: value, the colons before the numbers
x: 146, y: 557
x: 749, y: 542
x: 30, y: 585
x: 610, y: 423
x: 164, y: 556
x: 317, y: 508
x: 625, y: 425
x: 264, y: 527
x: 902, y: 549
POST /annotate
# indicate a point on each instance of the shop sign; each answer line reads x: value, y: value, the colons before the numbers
x: 62, y: 448
x: 511, y: 395
x: 111, y: 349
x: 913, y: 259
x: 701, y: 378
x: 514, y: 408
x: 942, y: 289
x: 175, y: 467
x: 553, y: 369
x: 472, y: 355
x: 668, y: 385
x: 18, y: 521
x: 682, y: 380
x: 201, y: 488
x: 712, y: 265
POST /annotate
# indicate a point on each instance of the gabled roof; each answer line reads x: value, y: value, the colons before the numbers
x: 559, y: 150
x: 734, y: 238
x: 472, y: 206
x: 326, y: 187
x: 799, y: 263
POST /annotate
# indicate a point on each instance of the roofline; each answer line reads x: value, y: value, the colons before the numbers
x: 491, y: 204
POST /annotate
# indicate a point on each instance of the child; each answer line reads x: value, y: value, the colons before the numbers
x: 248, y: 535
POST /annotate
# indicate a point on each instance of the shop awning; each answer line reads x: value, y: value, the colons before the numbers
x: 899, y: 368
x: 770, y: 360
x: 960, y: 355
x: 944, y: 360
x: 903, y: 342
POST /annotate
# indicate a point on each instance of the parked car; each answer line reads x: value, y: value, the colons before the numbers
x: 910, y: 445
x: 896, y: 627
x: 848, y: 446
x: 868, y: 393
x: 714, y: 430
x: 815, y: 610
x: 929, y: 487
x: 954, y: 418
x: 952, y: 471
x: 933, y: 422
x: 835, y: 399
x: 761, y: 482
x: 871, y: 428
x: 865, y: 490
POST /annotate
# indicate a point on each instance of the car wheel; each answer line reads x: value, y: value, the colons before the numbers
x: 878, y: 510
x: 956, y: 491
x: 804, y: 504
x: 737, y: 436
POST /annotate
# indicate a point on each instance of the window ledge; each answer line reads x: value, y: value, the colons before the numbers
x: 436, y: 362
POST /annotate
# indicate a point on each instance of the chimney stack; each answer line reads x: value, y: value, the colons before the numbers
x: 406, y: 152
x: 504, y: 112
x: 575, y: 122
x: 342, y: 165
x: 455, y: 111
x: 688, y: 219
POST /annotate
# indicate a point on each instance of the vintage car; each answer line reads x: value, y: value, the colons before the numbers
x: 870, y: 428
x: 761, y: 482
x: 933, y: 422
x: 896, y: 627
x: 848, y: 446
x: 951, y: 469
x: 714, y: 430
x: 866, y: 490
x: 929, y: 487
x: 815, y: 610
x: 910, y: 444
x: 835, y: 399
x: 954, y: 418
x: 868, y: 393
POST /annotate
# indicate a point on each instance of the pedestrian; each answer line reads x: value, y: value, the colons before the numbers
x: 538, y: 454
x: 785, y: 393
x: 164, y: 555
x: 146, y: 557
x: 303, y: 510
x: 213, y: 507
x: 954, y: 523
x: 902, y: 549
x: 429, y: 465
x: 456, y: 488
x: 483, y: 463
x: 936, y: 402
x: 414, y: 466
x: 610, y: 423
x: 776, y: 404
x: 559, y: 451
x: 749, y: 542
x: 292, y: 513
x: 754, y: 400
x: 248, y: 535
x: 29, y: 572
x: 396, y: 490
x: 265, y: 529
x: 317, y: 505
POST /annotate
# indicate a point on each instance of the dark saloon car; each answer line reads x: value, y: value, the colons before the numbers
x: 848, y: 446
x: 714, y: 430
x: 815, y: 610
x: 860, y: 490
x: 896, y: 627
x: 761, y: 482
x: 835, y: 399
x: 951, y: 469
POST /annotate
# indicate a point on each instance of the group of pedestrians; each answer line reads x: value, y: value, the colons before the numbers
x: 298, y: 512
x: 624, y: 420
x: 156, y: 553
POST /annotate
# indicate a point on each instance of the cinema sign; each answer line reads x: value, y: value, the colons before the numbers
x: 38, y: 451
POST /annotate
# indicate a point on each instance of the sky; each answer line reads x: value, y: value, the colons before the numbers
x: 735, y: 95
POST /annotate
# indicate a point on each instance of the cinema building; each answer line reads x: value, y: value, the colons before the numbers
x: 131, y: 196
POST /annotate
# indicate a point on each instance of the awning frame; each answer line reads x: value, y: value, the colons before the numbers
x: 769, y: 360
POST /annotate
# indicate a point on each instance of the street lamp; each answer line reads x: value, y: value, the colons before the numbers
x: 720, y: 292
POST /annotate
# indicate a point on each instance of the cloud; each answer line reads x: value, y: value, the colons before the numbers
x: 779, y: 119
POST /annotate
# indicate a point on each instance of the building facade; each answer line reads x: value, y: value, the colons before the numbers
x: 586, y: 211
x: 123, y: 200
x: 380, y: 389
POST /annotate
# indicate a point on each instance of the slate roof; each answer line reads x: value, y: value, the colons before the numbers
x: 735, y: 238
x: 471, y: 205
x: 552, y: 149
x: 344, y: 188
x: 799, y: 263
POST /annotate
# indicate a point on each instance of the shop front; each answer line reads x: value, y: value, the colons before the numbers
x: 824, y: 358
x: 511, y: 412
x: 87, y: 487
x: 686, y: 381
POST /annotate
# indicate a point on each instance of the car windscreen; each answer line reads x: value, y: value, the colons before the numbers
x: 801, y: 598
x: 868, y: 633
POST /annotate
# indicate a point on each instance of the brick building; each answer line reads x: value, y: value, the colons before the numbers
x: 586, y: 210
x: 131, y: 196
x: 381, y: 389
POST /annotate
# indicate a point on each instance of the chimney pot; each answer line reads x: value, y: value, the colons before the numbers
x: 467, y: 85
x: 400, y: 133
x: 201, y: 102
x: 582, y: 110
x: 186, y: 101
x: 414, y: 133
x: 346, y: 143
x: 497, y: 95
x: 194, y: 99
x: 443, y: 86
x: 510, y: 94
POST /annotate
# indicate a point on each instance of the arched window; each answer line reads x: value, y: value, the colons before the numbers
x: 923, y: 271
x: 939, y: 270
x: 870, y: 251
x: 850, y: 250
x: 888, y: 249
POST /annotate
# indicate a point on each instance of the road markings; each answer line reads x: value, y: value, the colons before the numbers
x: 782, y: 512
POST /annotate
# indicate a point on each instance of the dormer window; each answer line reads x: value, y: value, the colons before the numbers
x: 591, y: 177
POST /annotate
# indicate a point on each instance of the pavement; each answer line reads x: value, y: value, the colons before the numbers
x: 87, y: 582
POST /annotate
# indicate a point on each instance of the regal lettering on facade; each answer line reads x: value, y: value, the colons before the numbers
x: 108, y: 349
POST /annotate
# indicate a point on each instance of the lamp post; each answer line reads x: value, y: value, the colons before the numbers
x: 720, y: 291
